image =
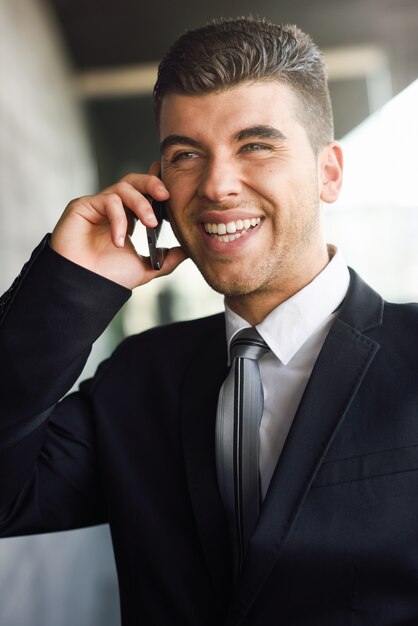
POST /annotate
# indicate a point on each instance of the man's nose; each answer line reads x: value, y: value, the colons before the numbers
x: 220, y: 180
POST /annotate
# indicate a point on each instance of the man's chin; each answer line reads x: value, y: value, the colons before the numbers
x: 228, y: 284
x: 226, y: 276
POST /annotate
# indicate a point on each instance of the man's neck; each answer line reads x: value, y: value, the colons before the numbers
x: 254, y: 307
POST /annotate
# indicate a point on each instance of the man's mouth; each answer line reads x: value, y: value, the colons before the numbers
x: 231, y: 230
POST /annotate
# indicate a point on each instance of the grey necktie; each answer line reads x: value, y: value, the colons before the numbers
x: 240, y: 407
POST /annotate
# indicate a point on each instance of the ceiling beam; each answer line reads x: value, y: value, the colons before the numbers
x: 343, y: 63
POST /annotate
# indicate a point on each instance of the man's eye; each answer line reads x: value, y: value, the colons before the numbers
x: 253, y: 147
x: 184, y: 156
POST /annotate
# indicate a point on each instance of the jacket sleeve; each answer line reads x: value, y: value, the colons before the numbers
x: 49, y: 319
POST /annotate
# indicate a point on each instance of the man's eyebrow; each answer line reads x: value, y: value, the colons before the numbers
x: 252, y: 132
x: 260, y: 132
x: 178, y: 140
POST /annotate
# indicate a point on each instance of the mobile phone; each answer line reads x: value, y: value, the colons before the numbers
x: 156, y: 254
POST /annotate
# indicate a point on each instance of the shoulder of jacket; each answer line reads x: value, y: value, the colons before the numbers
x: 403, y: 316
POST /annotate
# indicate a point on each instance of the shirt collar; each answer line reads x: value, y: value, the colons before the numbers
x: 289, y: 325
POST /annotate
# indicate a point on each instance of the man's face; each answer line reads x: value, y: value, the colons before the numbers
x: 245, y: 188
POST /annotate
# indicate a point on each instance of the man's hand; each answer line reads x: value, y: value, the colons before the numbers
x: 94, y: 231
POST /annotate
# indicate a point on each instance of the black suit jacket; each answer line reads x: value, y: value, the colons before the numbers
x: 337, y: 539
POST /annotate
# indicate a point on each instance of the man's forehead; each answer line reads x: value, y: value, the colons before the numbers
x: 260, y: 104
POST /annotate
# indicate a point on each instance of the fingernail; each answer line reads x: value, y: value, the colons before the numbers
x: 121, y: 241
x: 152, y: 219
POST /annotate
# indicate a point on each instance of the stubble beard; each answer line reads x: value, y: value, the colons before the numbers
x: 277, y: 271
x: 223, y: 278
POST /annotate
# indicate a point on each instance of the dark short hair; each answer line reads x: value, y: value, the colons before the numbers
x: 229, y: 52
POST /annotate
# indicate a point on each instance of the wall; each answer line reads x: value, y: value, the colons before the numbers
x: 65, y: 579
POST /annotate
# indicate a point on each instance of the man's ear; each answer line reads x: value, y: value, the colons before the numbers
x: 331, y: 171
x: 155, y: 168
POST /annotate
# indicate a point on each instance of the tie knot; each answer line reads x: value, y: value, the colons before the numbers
x: 248, y: 343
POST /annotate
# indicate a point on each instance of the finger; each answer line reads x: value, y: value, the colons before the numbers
x: 132, y: 220
x: 150, y: 184
x: 118, y: 221
x: 174, y: 257
x: 140, y: 202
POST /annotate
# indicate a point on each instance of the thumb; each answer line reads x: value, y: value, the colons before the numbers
x: 174, y: 257
x: 172, y: 260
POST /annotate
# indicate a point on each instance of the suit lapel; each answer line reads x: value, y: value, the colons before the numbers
x: 206, y: 373
x: 336, y: 377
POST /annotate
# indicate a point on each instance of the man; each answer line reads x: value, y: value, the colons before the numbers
x: 247, y: 158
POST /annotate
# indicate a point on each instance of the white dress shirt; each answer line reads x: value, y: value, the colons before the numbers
x: 295, y: 332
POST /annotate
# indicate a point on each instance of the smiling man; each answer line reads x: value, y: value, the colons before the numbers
x: 245, y: 188
x: 281, y: 489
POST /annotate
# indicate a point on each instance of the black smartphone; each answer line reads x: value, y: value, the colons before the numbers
x: 156, y: 254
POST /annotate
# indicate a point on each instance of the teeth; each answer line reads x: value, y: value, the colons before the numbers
x: 230, y: 231
x: 228, y: 238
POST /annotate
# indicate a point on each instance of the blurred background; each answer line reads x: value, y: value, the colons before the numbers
x: 75, y: 115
